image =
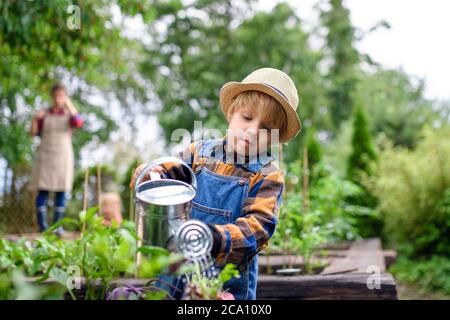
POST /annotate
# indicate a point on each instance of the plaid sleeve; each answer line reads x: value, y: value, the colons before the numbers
x: 249, y: 234
x: 76, y: 121
x: 188, y: 154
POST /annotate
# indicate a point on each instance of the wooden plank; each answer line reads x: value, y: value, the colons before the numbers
x: 342, y: 245
x: 336, y: 287
x: 334, y: 248
x: 363, y: 255
x: 269, y: 264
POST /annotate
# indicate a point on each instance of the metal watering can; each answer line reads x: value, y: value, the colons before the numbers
x: 163, y: 212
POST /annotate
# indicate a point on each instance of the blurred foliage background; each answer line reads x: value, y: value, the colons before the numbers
x: 378, y: 149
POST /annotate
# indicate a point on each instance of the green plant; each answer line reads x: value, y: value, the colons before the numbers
x: 100, y: 255
x: 331, y: 195
x: 300, y: 232
x: 331, y: 216
x: 25, y: 259
x: 209, y: 288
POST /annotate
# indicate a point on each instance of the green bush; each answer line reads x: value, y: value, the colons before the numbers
x: 413, y: 188
x: 429, y: 275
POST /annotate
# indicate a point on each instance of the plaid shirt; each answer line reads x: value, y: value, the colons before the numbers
x: 251, y: 232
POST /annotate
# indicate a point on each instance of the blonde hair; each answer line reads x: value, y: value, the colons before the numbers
x: 269, y: 109
x: 112, y: 203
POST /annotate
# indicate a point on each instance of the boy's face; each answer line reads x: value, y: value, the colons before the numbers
x: 247, y: 134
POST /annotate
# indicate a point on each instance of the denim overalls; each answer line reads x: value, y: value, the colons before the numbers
x: 220, y: 200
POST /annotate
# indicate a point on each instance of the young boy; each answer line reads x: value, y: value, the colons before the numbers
x: 111, y: 206
x: 239, y: 187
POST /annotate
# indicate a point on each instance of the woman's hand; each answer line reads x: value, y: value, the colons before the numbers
x: 146, y: 177
x: 70, y: 107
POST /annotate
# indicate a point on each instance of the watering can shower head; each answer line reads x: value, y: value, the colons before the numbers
x: 194, y: 239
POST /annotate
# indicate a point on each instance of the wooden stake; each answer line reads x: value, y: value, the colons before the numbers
x: 305, y: 180
x: 140, y: 235
x: 85, y: 188
x: 131, y: 207
x: 285, y: 247
x: 280, y: 157
x: 139, y: 219
x: 85, y: 201
x: 85, y: 195
x: 99, y: 188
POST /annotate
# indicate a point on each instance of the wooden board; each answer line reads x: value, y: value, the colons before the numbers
x: 273, y: 263
x: 336, y: 287
x: 362, y: 257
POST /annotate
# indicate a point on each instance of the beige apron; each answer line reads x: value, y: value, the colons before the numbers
x: 54, y: 165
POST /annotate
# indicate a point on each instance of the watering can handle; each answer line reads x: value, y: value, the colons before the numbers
x: 152, y: 164
x: 155, y: 176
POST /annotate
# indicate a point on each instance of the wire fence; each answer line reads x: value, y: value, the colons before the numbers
x: 17, y: 209
x: 17, y: 202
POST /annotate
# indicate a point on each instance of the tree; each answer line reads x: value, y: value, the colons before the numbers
x: 360, y: 166
x: 39, y: 46
x: 396, y: 104
x: 209, y: 43
x: 343, y: 58
x: 363, y: 152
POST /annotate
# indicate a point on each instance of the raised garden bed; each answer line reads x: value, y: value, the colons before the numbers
x: 324, y: 287
x: 353, y: 271
x: 358, y: 271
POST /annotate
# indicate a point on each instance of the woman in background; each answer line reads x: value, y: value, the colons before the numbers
x: 54, y: 165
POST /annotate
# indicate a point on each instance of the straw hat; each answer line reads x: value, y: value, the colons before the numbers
x: 276, y: 84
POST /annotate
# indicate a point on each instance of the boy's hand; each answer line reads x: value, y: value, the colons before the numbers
x: 138, y: 171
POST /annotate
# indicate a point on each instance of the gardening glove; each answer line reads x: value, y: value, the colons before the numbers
x: 217, y: 240
x: 167, y: 170
x: 177, y: 171
x: 139, y: 169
